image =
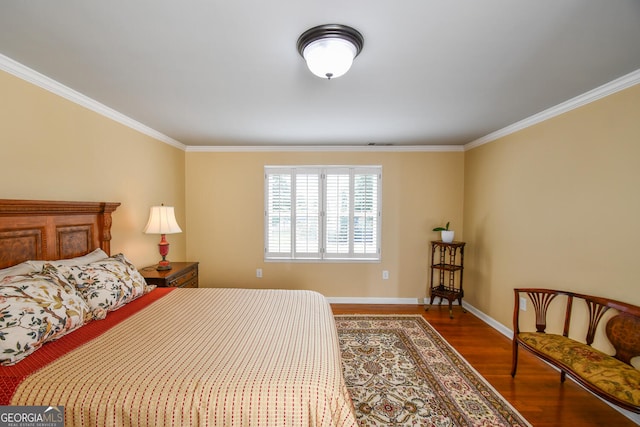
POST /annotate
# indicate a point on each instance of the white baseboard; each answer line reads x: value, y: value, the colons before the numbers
x: 376, y: 300
x: 356, y: 300
x: 489, y: 320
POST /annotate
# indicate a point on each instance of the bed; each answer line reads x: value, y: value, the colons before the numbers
x: 183, y: 357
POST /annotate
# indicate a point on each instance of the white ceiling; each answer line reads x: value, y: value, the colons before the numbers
x: 432, y: 72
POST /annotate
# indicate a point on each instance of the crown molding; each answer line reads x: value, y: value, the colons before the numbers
x: 25, y: 73
x: 324, y: 148
x: 606, y: 89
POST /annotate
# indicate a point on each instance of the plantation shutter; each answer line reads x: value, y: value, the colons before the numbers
x: 338, y: 213
x: 366, y: 213
x: 307, y: 213
x: 352, y: 213
x: 322, y: 213
x: 278, y: 213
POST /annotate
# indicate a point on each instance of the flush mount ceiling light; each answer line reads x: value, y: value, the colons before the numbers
x: 329, y: 49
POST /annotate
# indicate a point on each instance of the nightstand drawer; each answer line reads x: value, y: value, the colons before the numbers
x: 193, y: 283
x: 182, y: 275
x: 190, y: 278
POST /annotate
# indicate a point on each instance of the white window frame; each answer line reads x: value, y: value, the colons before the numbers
x: 350, y: 254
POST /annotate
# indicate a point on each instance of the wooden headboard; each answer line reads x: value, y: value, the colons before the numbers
x: 50, y: 230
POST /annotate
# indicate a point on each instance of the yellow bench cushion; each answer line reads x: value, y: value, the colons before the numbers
x: 603, y: 371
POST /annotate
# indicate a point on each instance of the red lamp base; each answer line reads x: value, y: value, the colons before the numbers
x: 163, y: 247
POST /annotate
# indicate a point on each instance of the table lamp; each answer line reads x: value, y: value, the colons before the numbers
x: 162, y: 220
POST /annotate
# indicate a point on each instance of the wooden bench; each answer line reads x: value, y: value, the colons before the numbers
x: 613, y: 378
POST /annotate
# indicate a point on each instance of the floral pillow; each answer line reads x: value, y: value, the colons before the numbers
x: 35, y: 309
x: 106, y: 285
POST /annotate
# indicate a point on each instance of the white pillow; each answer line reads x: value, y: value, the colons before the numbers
x: 96, y: 255
x: 17, y: 270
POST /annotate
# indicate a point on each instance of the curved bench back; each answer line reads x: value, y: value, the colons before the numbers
x: 623, y: 330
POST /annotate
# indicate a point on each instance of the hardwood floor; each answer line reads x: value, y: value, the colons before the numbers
x: 536, y: 391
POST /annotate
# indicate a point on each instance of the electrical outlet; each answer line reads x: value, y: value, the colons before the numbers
x: 258, y: 273
x: 385, y: 274
x: 523, y: 304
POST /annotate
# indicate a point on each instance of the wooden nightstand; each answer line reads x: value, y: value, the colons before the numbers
x: 182, y: 275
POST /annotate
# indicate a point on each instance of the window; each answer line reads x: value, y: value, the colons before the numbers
x: 322, y: 212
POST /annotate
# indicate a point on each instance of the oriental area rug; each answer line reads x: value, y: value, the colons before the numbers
x: 401, y: 372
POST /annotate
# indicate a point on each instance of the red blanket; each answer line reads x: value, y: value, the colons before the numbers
x: 12, y: 376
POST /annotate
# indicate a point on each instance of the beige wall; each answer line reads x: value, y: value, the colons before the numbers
x: 54, y: 149
x: 556, y: 205
x: 225, y: 204
x: 553, y: 205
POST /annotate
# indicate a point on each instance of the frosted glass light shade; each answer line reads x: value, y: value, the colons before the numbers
x: 162, y: 220
x: 329, y: 49
x: 330, y: 57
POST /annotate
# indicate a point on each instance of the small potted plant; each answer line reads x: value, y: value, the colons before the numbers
x: 446, y: 235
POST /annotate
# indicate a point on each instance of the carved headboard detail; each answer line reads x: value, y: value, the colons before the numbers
x: 49, y: 230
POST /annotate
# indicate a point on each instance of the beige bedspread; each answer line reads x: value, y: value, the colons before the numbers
x: 205, y: 357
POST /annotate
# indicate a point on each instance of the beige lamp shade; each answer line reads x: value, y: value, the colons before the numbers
x: 162, y: 220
